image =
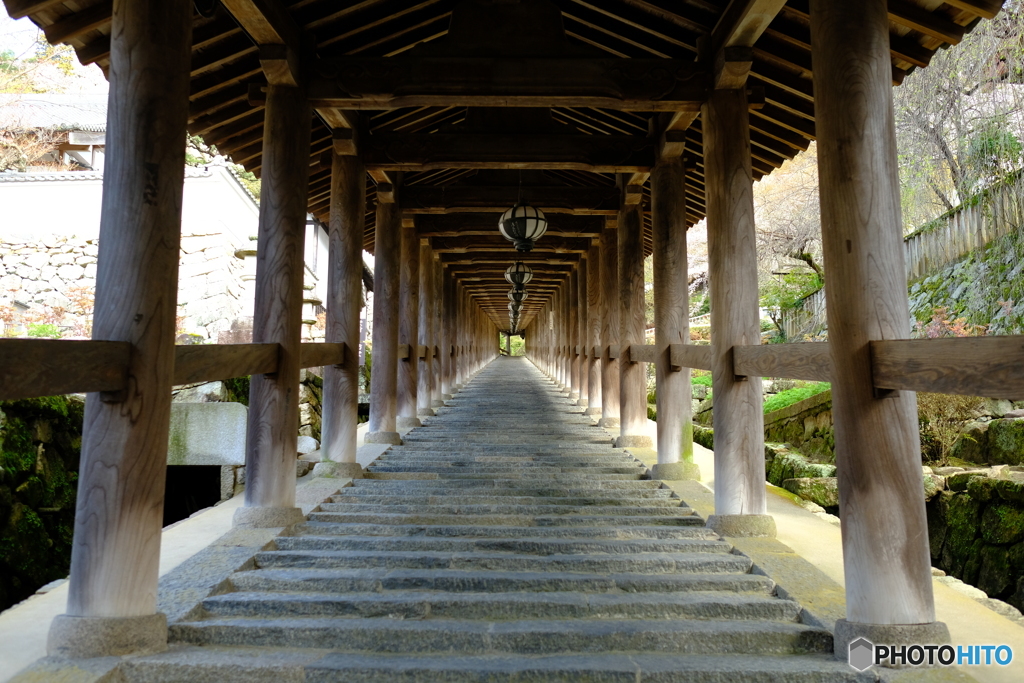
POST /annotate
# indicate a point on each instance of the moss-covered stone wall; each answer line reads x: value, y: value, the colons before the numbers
x: 40, y: 441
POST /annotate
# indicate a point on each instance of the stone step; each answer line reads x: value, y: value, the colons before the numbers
x: 491, y: 492
x: 501, y: 606
x: 383, y: 635
x: 500, y: 509
x: 639, y: 563
x: 522, y: 470
x: 602, y: 484
x: 497, y: 532
x: 461, y: 499
x: 522, y: 546
x: 254, y: 665
x: 516, y: 475
x: 585, y: 520
x: 454, y: 581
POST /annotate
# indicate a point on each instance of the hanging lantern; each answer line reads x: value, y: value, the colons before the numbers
x: 518, y: 274
x: 515, y: 307
x: 523, y: 225
x: 517, y: 294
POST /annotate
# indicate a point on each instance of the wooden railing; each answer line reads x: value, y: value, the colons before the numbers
x: 975, y: 366
x: 47, y: 367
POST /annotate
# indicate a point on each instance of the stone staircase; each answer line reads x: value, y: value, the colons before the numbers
x: 505, y: 541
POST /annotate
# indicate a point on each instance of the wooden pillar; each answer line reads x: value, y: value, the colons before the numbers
x: 273, y: 426
x: 567, y: 335
x: 437, y: 312
x: 593, y: 330
x: 609, y: 326
x: 671, y: 321
x: 739, y: 423
x: 111, y: 608
x: 426, y: 329
x: 574, y: 334
x: 632, y: 375
x: 408, y: 326
x: 581, y: 331
x: 447, y: 334
x: 885, y: 532
x: 340, y: 416
x: 386, y: 277
x: 460, y: 337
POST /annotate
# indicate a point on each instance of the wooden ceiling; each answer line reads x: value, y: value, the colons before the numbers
x: 457, y: 172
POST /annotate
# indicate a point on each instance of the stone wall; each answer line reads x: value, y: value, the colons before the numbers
x: 40, y: 441
x: 55, y: 277
x: 976, y: 529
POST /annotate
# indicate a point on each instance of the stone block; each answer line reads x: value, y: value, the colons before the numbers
x: 1010, y: 490
x: 210, y: 392
x: 994, y: 571
x: 1002, y: 523
x: 981, y: 489
x: 307, y: 444
x: 1006, y: 441
x: 972, y: 445
x: 997, y: 407
x: 207, y: 434
x: 823, y: 491
x: 70, y: 272
x: 932, y: 485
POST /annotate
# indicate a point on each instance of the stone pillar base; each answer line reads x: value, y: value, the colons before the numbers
x: 634, y: 441
x: 437, y: 404
x: 848, y: 632
x: 86, y: 637
x: 582, y: 403
x: 408, y: 422
x: 574, y: 395
x: 425, y: 412
x: 393, y: 438
x: 267, y: 518
x: 743, y: 525
x: 608, y: 422
x: 592, y: 410
x: 676, y: 471
x: 338, y: 470
x: 446, y: 397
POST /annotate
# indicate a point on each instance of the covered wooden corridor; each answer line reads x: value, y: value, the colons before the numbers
x: 408, y: 128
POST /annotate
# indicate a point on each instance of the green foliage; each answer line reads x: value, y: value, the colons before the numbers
x: 787, y: 292
x: 48, y: 330
x: 943, y: 418
x: 791, y: 396
x: 238, y: 389
x: 703, y: 380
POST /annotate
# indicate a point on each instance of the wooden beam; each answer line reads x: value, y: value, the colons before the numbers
x: 810, y: 361
x: 983, y: 8
x: 78, y: 23
x: 927, y: 22
x: 973, y: 366
x: 690, y: 356
x: 397, y: 82
x: 497, y: 198
x: 17, y: 9
x: 204, y: 363
x: 48, y: 367
x: 315, y: 355
x: 743, y: 22
x: 640, y: 353
x: 597, y: 153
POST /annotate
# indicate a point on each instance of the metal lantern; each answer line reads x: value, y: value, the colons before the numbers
x: 518, y: 274
x: 523, y: 225
x: 515, y: 307
x: 517, y: 294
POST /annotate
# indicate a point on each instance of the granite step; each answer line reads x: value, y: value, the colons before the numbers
x: 495, y: 532
x: 584, y: 520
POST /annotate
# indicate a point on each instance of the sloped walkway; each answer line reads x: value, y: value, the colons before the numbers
x: 505, y: 541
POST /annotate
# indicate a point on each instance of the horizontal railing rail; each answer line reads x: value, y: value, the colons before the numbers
x: 48, y: 367
x: 974, y: 366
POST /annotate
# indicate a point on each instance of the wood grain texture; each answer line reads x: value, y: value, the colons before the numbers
x: 447, y: 332
x: 409, y: 321
x: 322, y: 354
x: 223, y: 361
x: 671, y: 309
x: 340, y: 410
x: 732, y: 263
x: 425, y: 327
x: 119, y: 510
x: 640, y: 353
x: 436, y: 312
x: 583, y: 306
x: 973, y: 366
x: 49, y: 367
x: 594, y: 328
x: 273, y: 427
x: 808, y: 360
x: 609, y: 322
x: 885, y: 531
x: 384, y: 378
x: 573, y: 338
x: 632, y: 376
x: 690, y: 356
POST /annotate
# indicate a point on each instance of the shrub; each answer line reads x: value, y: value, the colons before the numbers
x: 48, y: 330
x: 942, y: 418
